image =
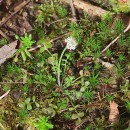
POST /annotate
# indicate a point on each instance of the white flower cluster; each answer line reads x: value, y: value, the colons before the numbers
x: 71, y: 43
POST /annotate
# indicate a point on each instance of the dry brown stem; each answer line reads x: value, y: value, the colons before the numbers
x: 73, y: 10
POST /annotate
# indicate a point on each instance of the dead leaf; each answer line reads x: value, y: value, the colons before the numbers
x: 7, y: 51
x: 114, y: 112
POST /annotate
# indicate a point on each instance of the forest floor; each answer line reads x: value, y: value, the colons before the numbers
x: 64, y: 66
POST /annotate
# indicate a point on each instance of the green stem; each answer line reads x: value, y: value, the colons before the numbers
x: 74, y: 107
x: 49, y: 52
x: 58, y: 71
x: 66, y: 64
x: 77, y: 78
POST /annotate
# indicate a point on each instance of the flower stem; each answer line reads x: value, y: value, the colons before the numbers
x: 58, y: 70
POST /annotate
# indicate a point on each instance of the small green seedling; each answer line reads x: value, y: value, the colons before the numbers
x: 43, y: 124
x: 27, y: 42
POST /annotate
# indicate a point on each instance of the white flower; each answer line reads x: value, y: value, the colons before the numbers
x: 71, y: 43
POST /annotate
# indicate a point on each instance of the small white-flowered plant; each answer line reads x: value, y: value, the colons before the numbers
x: 71, y: 43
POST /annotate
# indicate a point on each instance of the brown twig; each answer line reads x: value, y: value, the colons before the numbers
x: 73, y: 10
x: 52, y: 40
x: 4, y: 35
x: 60, y: 20
x: 21, y: 6
x: 110, y: 44
x: 34, y: 48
